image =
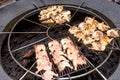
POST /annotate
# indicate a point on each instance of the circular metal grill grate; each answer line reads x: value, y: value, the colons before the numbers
x: 41, y: 34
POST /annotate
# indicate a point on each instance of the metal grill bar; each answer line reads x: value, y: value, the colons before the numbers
x: 29, y: 44
x: 21, y: 32
x: 78, y: 8
x: 35, y: 5
x: 69, y: 71
x: 27, y: 71
x: 114, y: 47
x: 97, y: 70
x: 35, y: 22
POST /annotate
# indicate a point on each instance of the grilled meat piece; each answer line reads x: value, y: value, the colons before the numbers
x: 92, y: 32
x: 103, y: 27
x: 62, y: 65
x: 73, y: 30
x: 87, y: 39
x: 54, y: 15
x: 78, y: 60
x: 83, y: 26
x: 112, y: 33
x: 79, y: 35
x: 73, y: 53
x: 102, y: 43
x: 48, y: 75
x: 97, y: 35
x: 106, y: 39
x: 57, y: 53
x: 98, y: 46
x: 54, y: 45
x: 58, y: 56
x: 41, y: 55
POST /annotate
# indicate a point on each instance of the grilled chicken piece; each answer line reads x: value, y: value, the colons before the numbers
x: 83, y: 26
x: 55, y: 14
x: 41, y: 55
x: 52, y: 8
x: 74, y: 55
x: 89, y: 20
x: 59, y: 9
x: 66, y: 15
x: 40, y: 51
x: 87, y: 28
x: 44, y: 17
x: 90, y: 29
x: 78, y: 60
x: 54, y: 45
x: 43, y: 65
x: 63, y: 17
x: 79, y: 35
x: 106, y: 39
x: 48, y: 75
x: 81, y: 60
x: 102, y: 43
x: 58, y: 56
x: 95, y: 23
x: 97, y: 35
x: 43, y: 12
x: 99, y: 46
x: 87, y: 39
x: 60, y: 21
x: 48, y: 21
x: 72, y: 52
x: 112, y: 33
x: 66, y: 43
x: 62, y: 65
x: 92, y: 32
x: 103, y: 27
x: 73, y: 30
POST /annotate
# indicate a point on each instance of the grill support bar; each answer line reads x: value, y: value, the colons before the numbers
x: 27, y: 71
x: 97, y: 70
x: 21, y: 32
x: 29, y: 44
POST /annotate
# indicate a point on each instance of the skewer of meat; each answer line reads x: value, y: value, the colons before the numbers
x: 54, y: 14
x: 43, y: 62
x: 57, y: 53
x: 41, y: 55
x: 94, y: 33
x: 73, y: 52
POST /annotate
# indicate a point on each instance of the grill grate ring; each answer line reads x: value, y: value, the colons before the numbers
x: 9, y: 45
